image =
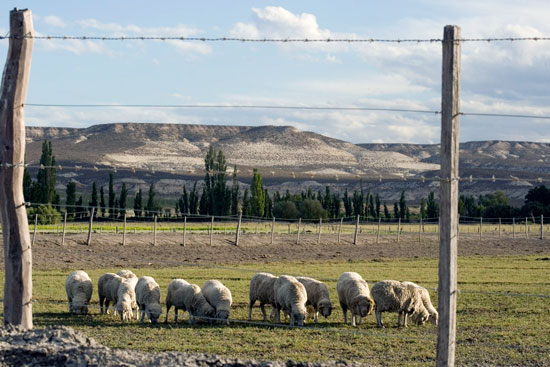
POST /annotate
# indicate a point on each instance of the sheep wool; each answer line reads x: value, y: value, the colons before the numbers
x: 126, y: 298
x: 317, y: 296
x: 174, y: 298
x: 353, y: 294
x: 194, y: 302
x: 148, y: 299
x: 79, y: 291
x: 219, y: 297
x: 434, y: 315
x: 262, y: 290
x: 394, y: 296
x: 290, y: 297
x: 107, y: 290
x: 126, y: 274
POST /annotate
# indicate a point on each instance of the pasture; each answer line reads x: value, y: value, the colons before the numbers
x: 500, y: 320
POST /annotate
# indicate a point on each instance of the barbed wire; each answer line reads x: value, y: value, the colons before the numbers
x: 273, y: 40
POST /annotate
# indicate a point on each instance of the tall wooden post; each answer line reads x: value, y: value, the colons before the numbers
x: 90, y: 224
x: 356, y: 230
x: 64, y: 226
x: 15, y: 228
x: 514, y: 228
x: 378, y: 230
x: 541, y: 227
x: 480, y: 227
x: 320, y: 227
x: 420, y: 230
x: 450, y: 109
x: 154, y: 230
x: 211, y: 230
x: 298, y: 233
x: 272, y: 229
x: 238, y: 228
x: 526, y: 228
x: 184, y: 229
x: 340, y: 229
x: 124, y: 231
x: 34, y: 229
x: 398, y: 228
x: 499, y: 228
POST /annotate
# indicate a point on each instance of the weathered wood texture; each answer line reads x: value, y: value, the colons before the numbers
x: 448, y: 230
x: 17, y: 242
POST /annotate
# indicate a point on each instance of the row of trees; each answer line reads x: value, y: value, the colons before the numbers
x: 218, y: 198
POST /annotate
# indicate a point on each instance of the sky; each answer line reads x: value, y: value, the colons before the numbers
x: 496, y: 77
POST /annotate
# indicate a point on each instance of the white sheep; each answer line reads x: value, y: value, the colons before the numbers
x: 317, y: 296
x: 353, y: 294
x: 261, y: 289
x: 434, y: 315
x: 190, y: 298
x: 394, y: 296
x: 172, y: 297
x: 126, y: 298
x: 291, y: 297
x: 126, y: 274
x: 107, y: 290
x: 79, y: 291
x: 148, y: 298
x: 219, y: 297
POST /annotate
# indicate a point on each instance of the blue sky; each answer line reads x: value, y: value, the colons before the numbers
x: 509, y: 78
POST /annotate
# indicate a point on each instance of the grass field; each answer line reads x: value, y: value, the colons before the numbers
x: 493, y: 329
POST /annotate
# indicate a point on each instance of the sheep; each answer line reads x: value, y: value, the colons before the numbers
x: 291, y: 297
x: 126, y: 274
x: 317, y: 297
x: 79, y: 291
x: 171, y: 299
x: 107, y: 290
x: 219, y: 297
x: 394, y: 296
x: 434, y: 315
x: 261, y: 289
x: 126, y: 298
x: 148, y: 299
x: 194, y: 302
x: 353, y: 294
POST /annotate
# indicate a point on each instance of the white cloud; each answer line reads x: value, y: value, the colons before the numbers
x: 53, y: 21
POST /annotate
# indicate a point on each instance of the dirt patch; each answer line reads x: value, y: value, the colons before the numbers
x: 106, y: 250
x: 62, y: 346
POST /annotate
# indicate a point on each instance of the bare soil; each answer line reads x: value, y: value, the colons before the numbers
x: 106, y: 250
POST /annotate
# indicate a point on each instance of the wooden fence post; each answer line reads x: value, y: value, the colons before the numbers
x: 514, y: 228
x: 420, y: 230
x: 238, y: 228
x: 499, y: 228
x: 480, y: 227
x: 356, y: 229
x: 211, y: 230
x: 398, y: 228
x: 34, y: 229
x: 90, y: 224
x: 64, y: 225
x: 298, y: 234
x: 154, y: 230
x: 272, y: 229
x: 541, y: 227
x: 378, y: 229
x: 450, y: 110
x: 340, y: 229
x: 124, y: 231
x: 320, y: 227
x: 526, y: 229
x: 15, y: 226
x: 184, y: 229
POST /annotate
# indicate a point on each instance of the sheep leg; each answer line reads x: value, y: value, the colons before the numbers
x: 404, y: 319
x: 345, y: 311
x: 316, y: 316
x: 142, y: 312
x: 353, y: 317
x: 175, y: 314
x: 168, y: 306
x: 70, y: 305
x: 262, y: 307
x: 107, y: 306
x: 379, y: 319
x: 250, y: 304
x: 360, y: 319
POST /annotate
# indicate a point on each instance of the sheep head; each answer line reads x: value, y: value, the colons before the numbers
x: 153, y: 312
x: 325, y: 309
x: 362, y: 306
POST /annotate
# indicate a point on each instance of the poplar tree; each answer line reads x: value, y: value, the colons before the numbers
x: 387, y: 214
x: 102, y: 201
x: 93, y: 202
x: 46, y: 176
x: 402, y: 205
x: 235, y: 193
x: 378, y: 204
x: 151, y: 204
x: 138, y: 204
x: 70, y: 199
x: 257, y: 195
x: 123, y: 198
x: 112, y: 195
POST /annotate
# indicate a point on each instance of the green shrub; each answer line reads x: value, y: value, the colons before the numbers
x: 46, y: 214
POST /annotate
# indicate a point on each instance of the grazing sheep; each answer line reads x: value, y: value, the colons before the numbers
x: 126, y: 298
x: 434, y: 315
x: 261, y: 289
x: 317, y: 296
x: 394, y: 296
x: 107, y: 289
x: 172, y: 297
x: 353, y: 294
x: 219, y: 297
x: 291, y: 297
x: 126, y: 274
x: 79, y: 291
x: 193, y: 301
x: 148, y: 299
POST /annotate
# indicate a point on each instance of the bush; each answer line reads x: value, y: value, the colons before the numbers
x: 311, y: 209
x: 285, y: 209
x: 46, y: 214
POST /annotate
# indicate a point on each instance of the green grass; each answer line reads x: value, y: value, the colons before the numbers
x: 492, y: 329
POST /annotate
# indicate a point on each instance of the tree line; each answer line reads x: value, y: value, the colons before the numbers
x: 215, y: 197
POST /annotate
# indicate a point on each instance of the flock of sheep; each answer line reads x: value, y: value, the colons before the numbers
x: 286, y: 293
